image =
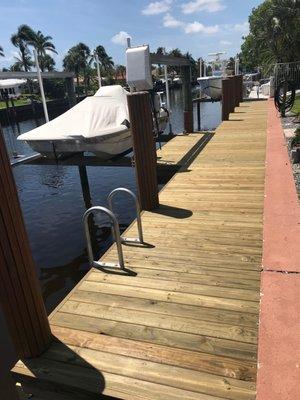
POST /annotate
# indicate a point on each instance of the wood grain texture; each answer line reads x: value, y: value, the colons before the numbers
x: 181, y: 322
x: 20, y: 292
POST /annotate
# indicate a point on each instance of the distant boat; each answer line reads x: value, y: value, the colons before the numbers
x: 98, y: 124
x: 211, y: 85
x: 177, y: 82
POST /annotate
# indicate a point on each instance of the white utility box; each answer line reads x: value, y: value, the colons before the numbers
x: 138, y: 68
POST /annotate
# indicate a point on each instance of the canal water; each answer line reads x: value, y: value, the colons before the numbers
x: 52, y: 202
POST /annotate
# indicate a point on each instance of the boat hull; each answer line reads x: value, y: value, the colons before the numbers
x: 211, y: 86
x: 104, y: 146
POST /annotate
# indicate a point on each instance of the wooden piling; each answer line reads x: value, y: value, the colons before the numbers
x: 240, y: 87
x: 187, y: 99
x: 20, y: 292
x: 225, y: 99
x: 144, y: 149
x: 236, y: 91
x: 231, y: 97
x: 199, y: 115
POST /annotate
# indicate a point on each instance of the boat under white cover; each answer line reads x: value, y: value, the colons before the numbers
x: 211, y: 86
x: 98, y: 124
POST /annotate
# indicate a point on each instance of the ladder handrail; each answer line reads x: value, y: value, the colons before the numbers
x: 137, y: 207
x: 116, y: 234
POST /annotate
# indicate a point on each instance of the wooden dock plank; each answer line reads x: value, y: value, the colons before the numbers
x: 181, y: 322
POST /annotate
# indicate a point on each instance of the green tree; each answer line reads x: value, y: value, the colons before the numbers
x: 47, y: 62
x: 20, y: 40
x: 105, y: 60
x: 23, y: 61
x: 274, y: 34
x: 194, y: 66
x: 42, y: 44
x: 160, y: 51
x: 120, y: 72
x: 77, y: 60
x: 70, y: 63
x: 175, y: 53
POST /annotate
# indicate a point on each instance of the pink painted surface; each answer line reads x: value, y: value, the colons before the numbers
x: 281, y: 209
x: 278, y: 375
x: 279, y: 338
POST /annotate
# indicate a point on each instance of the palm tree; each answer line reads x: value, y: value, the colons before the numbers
x: 1, y: 52
x: 20, y: 40
x: 23, y: 61
x: 105, y: 60
x: 47, y: 62
x: 77, y: 60
x: 42, y: 44
x: 70, y: 63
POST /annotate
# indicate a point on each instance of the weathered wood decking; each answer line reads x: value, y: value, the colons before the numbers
x: 184, y: 324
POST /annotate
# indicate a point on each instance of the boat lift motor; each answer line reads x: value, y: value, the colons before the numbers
x: 138, y: 68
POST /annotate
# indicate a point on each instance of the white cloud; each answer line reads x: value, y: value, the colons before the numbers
x: 189, y: 28
x: 120, y: 38
x: 225, y: 43
x: 171, y: 22
x: 243, y: 27
x: 157, y: 7
x: 197, y: 27
x: 202, y: 5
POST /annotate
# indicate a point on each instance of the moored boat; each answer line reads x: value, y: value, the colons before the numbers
x: 98, y: 124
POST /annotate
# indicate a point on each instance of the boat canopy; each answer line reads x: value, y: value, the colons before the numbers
x: 101, y: 114
x: 11, y: 83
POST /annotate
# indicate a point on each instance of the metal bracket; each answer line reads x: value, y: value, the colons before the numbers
x: 116, y: 235
x: 138, y: 214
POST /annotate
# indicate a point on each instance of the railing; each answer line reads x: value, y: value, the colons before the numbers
x: 115, y: 229
x: 138, y: 214
x: 287, y: 71
x: 116, y: 234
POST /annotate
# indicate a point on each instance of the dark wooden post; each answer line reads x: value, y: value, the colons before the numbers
x: 187, y: 99
x: 199, y: 115
x: 71, y: 92
x: 144, y: 149
x: 231, y: 94
x: 236, y: 91
x: 225, y: 99
x: 240, y: 87
x: 20, y: 292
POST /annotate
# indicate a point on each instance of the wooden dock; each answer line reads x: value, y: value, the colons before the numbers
x: 183, y: 322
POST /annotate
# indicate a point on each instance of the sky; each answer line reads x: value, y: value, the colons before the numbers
x: 197, y: 26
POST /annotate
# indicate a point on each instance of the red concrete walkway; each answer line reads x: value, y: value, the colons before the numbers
x: 279, y: 331
x: 281, y: 208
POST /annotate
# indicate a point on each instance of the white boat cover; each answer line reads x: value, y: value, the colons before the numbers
x: 101, y: 114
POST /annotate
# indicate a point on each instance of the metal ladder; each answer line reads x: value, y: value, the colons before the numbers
x: 115, y: 229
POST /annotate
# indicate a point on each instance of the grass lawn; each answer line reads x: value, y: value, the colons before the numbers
x: 19, y: 102
x: 296, y: 106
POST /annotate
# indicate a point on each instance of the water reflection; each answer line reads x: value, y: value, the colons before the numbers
x: 54, y: 198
